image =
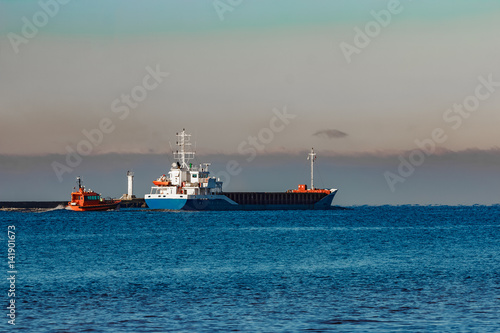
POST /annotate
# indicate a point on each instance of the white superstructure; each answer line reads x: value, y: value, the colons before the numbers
x: 184, y: 180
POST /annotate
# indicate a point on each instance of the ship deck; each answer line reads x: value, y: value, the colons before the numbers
x: 274, y: 198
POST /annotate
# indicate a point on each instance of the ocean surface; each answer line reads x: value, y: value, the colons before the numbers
x: 366, y: 269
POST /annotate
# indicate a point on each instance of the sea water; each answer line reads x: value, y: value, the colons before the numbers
x: 380, y: 269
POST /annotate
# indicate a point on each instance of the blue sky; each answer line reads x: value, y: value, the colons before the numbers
x: 227, y: 76
x: 157, y: 17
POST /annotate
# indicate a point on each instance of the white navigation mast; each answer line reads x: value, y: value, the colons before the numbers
x: 312, y: 157
x: 183, y: 141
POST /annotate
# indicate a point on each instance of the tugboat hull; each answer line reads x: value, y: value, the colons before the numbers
x: 100, y: 207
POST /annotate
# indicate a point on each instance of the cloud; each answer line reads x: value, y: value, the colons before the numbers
x: 441, y: 180
x: 330, y: 134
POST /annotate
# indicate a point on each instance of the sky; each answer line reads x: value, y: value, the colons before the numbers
x: 400, y: 99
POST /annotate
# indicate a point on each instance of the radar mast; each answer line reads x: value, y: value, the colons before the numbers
x: 312, y: 157
x: 185, y: 154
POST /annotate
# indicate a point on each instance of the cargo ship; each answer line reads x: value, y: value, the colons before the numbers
x: 189, y: 187
x: 83, y: 200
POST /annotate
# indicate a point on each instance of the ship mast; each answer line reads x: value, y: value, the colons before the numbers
x: 312, y: 157
x: 183, y: 141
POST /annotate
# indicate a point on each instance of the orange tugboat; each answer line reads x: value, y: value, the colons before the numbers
x: 83, y: 200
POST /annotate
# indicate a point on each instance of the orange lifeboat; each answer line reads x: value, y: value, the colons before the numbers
x: 162, y: 181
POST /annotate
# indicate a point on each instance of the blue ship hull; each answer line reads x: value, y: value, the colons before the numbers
x: 248, y: 201
x: 164, y: 203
